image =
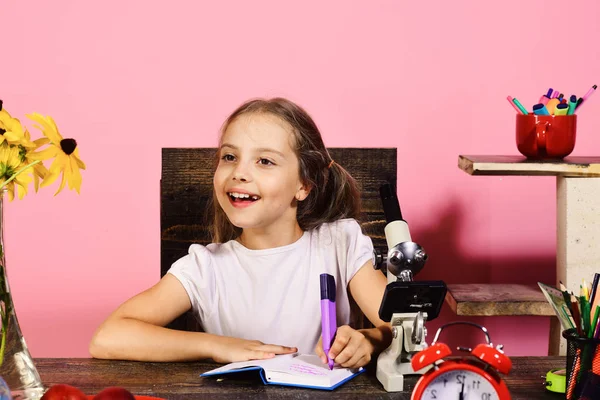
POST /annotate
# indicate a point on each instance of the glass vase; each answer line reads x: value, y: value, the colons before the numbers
x: 16, y: 365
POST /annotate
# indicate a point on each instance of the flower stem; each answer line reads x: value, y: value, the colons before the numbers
x: 5, y: 307
x: 3, y: 346
x: 18, y: 172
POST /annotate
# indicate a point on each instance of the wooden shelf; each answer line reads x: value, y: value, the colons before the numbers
x: 577, y: 233
x: 497, y: 299
x: 519, y: 165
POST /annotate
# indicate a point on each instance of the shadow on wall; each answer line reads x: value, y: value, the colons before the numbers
x: 448, y: 262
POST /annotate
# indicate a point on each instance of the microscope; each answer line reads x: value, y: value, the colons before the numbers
x: 406, y: 304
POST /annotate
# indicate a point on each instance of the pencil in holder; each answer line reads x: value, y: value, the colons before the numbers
x: 583, y: 366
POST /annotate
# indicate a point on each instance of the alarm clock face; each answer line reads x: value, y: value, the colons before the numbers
x: 461, y: 385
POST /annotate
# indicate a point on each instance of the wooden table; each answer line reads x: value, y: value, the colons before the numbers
x: 182, y: 380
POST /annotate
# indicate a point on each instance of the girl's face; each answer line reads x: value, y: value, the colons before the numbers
x: 257, y: 180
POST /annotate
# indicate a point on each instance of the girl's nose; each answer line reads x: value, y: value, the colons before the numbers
x: 241, y: 173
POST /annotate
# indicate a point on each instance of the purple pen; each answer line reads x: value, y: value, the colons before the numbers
x: 328, y: 317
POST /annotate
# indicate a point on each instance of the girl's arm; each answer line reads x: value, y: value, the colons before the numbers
x: 367, y: 288
x: 135, y: 331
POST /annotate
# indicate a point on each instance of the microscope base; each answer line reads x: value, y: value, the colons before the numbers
x: 391, y: 373
x: 391, y: 380
x: 394, y: 362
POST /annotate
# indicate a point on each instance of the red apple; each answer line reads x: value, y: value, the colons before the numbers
x: 114, y: 393
x: 63, y: 392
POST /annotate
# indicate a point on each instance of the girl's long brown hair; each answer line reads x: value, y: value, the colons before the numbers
x: 334, y: 193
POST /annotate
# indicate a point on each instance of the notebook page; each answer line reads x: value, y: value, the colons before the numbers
x: 252, y: 363
x: 307, y: 370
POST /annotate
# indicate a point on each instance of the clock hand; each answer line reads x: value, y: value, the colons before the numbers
x: 461, y: 395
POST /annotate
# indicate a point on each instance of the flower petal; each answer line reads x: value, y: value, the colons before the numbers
x: 75, y: 176
x: 60, y: 162
x: 68, y: 173
x: 50, y: 178
x: 45, y: 154
x: 12, y: 137
x: 62, y: 183
x: 41, y: 141
x: 11, y: 191
x: 23, y: 179
x: 80, y: 163
x: 36, y: 182
x: 4, y: 115
x: 20, y: 189
x: 40, y: 170
x: 58, y: 165
x: 48, y: 127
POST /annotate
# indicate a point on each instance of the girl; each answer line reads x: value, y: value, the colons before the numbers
x: 284, y: 214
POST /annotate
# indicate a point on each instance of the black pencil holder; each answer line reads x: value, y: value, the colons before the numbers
x: 583, y: 366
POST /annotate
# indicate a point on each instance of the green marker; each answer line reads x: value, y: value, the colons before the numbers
x: 518, y: 104
x: 572, y: 104
x: 594, y: 323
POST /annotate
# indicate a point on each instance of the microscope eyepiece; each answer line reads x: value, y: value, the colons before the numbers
x: 391, y: 207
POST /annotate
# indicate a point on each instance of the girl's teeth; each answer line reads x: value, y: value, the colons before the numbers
x: 243, y: 196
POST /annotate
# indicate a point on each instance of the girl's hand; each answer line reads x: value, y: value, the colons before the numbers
x: 350, y: 349
x: 229, y: 349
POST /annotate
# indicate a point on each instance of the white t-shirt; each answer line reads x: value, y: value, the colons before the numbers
x: 273, y: 295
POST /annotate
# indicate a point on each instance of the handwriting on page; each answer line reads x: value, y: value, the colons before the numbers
x: 307, y: 369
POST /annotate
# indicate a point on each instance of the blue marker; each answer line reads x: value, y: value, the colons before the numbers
x: 328, y: 317
x: 540, y: 109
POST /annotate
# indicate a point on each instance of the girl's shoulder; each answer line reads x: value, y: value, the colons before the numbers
x: 341, y: 227
x: 342, y: 223
x: 211, y: 250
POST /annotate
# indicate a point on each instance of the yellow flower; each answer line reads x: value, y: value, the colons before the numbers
x: 10, y: 164
x: 39, y: 170
x: 11, y: 130
x: 64, y: 152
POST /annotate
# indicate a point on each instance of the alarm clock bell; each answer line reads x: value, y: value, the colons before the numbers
x: 474, y: 374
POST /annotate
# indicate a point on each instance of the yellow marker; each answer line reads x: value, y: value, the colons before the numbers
x: 561, y: 109
x: 551, y: 105
x: 556, y: 380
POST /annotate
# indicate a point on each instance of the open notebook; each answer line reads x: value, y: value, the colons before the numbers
x: 301, y: 370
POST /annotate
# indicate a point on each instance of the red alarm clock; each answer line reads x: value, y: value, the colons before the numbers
x: 463, y: 377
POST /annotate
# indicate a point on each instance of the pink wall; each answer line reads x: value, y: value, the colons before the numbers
x: 431, y: 78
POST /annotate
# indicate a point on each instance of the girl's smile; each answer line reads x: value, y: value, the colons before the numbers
x: 241, y: 199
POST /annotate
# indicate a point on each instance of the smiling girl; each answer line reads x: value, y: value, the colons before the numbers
x: 284, y: 214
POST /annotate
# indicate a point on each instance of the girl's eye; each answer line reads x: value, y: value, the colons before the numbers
x: 264, y: 161
x: 228, y: 157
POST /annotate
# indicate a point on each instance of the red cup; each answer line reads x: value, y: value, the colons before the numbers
x: 546, y: 136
